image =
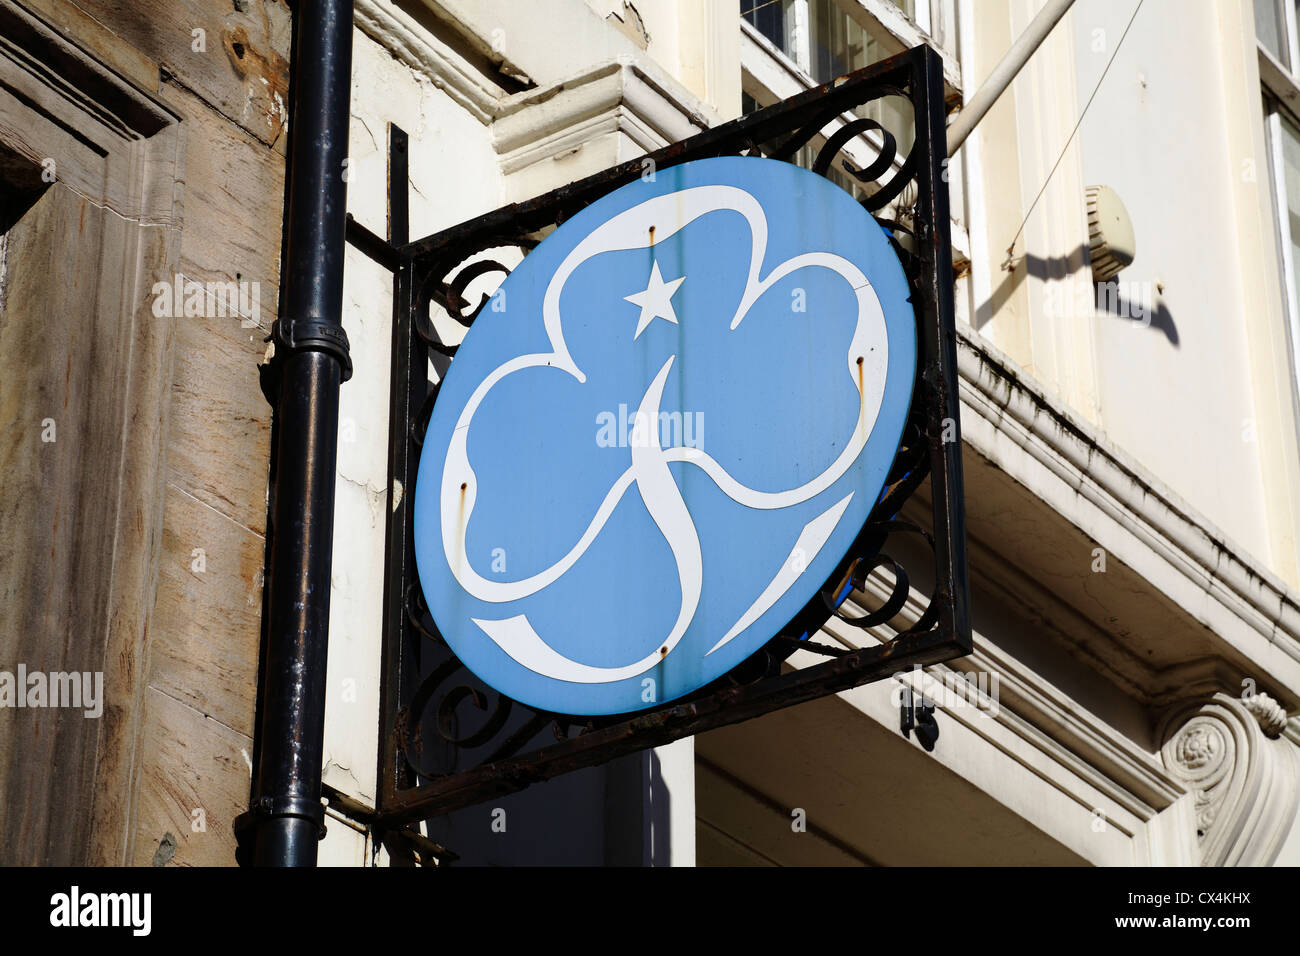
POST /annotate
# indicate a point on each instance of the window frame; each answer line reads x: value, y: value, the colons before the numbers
x: 1280, y: 96
x: 769, y: 75
x: 1274, y: 116
x: 934, y: 26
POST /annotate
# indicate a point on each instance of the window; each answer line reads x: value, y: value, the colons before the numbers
x: 1284, y: 169
x: 1275, y: 29
x: 1279, y: 69
x: 790, y: 45
x: 821, y: 37
x: 768, y: 18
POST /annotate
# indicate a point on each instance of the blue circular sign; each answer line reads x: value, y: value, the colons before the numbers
x: 662, y: 434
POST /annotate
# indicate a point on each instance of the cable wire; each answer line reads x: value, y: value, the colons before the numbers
x: 1007, y: 265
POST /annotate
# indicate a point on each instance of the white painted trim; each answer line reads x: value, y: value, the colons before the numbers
x: 1085, y: 765
x: 972, y: 177
x: 1282, y: 224
x: 891, y: 27
x: 414, y: 46
x: 1290, y: 39
x: 799, y: 34
x: 922, y: 16
x: 1276, y: 80
x: 672, y: 113
x: 1033, y: 708
x: 622, y: 96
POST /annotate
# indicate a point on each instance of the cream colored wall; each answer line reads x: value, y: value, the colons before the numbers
x: 696, y: 41
x: 445, y: 140
x: 1268, y: 352
x: 1200, y: 395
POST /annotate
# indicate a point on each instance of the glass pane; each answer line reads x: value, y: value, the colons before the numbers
x: 839, y: 45
x: 1292, y: 57
x: 1287, y: 182
x: 768, y: 18
x: 1291, y: 177
x: 1269, y: 29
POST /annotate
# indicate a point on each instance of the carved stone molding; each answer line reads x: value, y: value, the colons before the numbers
x: 1244, y: 779
x: 627, y: 103
x: 1269, y: 713
x: 447, y: 69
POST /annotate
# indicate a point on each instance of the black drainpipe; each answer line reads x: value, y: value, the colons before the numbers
x: 285, y: 819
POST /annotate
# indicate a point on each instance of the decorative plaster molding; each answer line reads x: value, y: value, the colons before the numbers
x: 413, y: 45
x: 624, y: 95
x: 1291, y: 731
x: 1025, y: 720
x: 627, y: 94
x: 1032, y: 710
x: 1244, y: 782
x: 1269, y: 713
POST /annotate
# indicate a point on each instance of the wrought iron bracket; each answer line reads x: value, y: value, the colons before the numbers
x: 446, y: 740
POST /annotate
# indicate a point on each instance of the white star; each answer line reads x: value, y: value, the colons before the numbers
x: 655, y: 301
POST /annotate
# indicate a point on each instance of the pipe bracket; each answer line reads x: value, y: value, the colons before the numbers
x: 265, y: 808
x: 315, y: 335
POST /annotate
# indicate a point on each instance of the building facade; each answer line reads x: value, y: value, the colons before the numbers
x: 1131, y: 446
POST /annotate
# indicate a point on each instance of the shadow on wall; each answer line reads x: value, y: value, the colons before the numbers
x: 637, y: 806
x: 1111, y: 298
x: 615, y: 814
x: 1069, y: 296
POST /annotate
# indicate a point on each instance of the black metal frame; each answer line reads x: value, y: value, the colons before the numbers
x: 421, y: 706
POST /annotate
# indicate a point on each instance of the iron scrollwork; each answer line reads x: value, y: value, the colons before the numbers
x: 451, y: 740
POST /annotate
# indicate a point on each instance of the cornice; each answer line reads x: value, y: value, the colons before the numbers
x: 1042, y: 721
x: 1250, y: 609
x: 410, y: 43
x: 624, y: 94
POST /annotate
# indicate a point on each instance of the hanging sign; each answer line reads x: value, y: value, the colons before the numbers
x: 662, y: 434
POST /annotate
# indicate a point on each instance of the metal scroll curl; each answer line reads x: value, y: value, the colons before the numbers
x: 860, y: 569
x: 888, y: 188
x: 445, y: 282
x: 449, y: 698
